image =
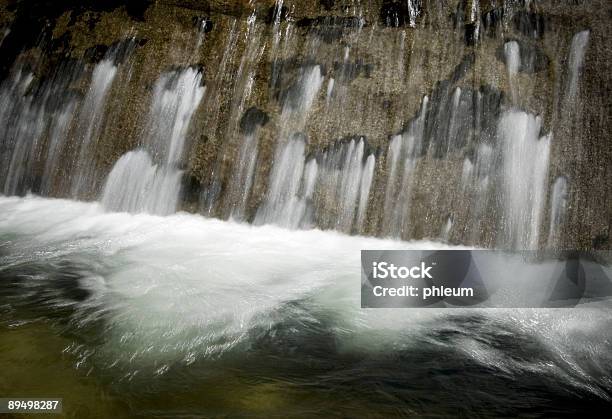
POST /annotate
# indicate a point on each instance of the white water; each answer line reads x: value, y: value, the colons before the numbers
x: 149, y: 179
x: 404, y: 150
x: 284, y: 204
x: 576, y: 62
x: 20, y: 133
x: 179, y: 285
x: 513, y: 64
x: 285, y: 201
x: 27, y: 113
x: 558, y: 206
x: 182, y: 287
x: 332, y: 189
x: 525, y: 177
x: 344, y: 185
x: 89, y: 124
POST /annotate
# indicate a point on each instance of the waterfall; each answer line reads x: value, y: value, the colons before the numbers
x: 136, y: 184
x: 22, y: 125
x: 558, y: 206
x: 445, y: 234
x: 365, y: 119
x: 403, y: 153
x: 284, y: 204
x: 5, y: 33
x: 367, y: 177
x: 149, y: 179
x: 513, y: 63
x: 58, y: 136
x: 29, y: 112
x: 344, y: 186
x: 49, y: 131
x: 299, y: 102
x: 525, y: 176
x: 332, y: 189
x: 242, y: 127
x: 90, y: 122
x: 576, y: 62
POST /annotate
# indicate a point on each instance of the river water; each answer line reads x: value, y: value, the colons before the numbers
x: 184, y: 316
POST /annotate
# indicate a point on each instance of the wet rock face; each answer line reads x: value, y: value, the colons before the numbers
x: 395, y: 13
x: 529, y: 24
x: 33, y: 18
x: 532, y: 58
x: 252, y: 119
x: 378, y: 69
x: 330, y: 28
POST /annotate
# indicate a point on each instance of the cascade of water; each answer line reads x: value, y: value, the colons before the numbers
x: 525, y: 176
x: 20, y: 128
x: 299, y: 102
x: 576, y: 62
x: 220, y: 86
x: 89, y: 124
x: 367, y: 177
x: 243, y: 174
x: 466, y: 173
x: 136, y: 184
x: 149, y: 180
x: 558, y: 206
x: 403, y: 153
x: 513, y: 64
x: 324, y: 165
x: 30, y: 112
x: 445, y: 233
x: 5, y: 33
x: 475, y: 17
x: 344, y: 186
x: 58, y: 137
x: 284, y: 204
x: 414, y: 9
x: 332, y: 189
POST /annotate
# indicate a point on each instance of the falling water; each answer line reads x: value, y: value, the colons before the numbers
x: 30, y: 110
x: 558, y: 206
x: 243, y: 126
x: 513, y: 63
x: 283, y: 204
x: 525, y: 175
x: 344, y: 186
x: 576, y: 62
x: 404, y: 151
x: 335, y: 140
x: 149, y: 179
x: 90, y: 122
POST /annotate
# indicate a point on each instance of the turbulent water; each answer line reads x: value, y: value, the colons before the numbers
x: 149, y: 304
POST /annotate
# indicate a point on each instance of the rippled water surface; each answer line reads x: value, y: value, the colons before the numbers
x: 182, y: 316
